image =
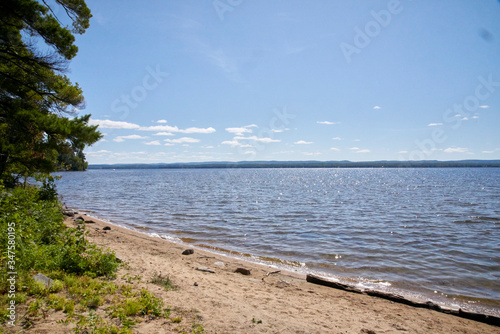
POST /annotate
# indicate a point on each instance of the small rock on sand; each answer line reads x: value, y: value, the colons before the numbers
x: 68, y: 213
x: 106, y: 228
x: 188, y: 252
x: 219, y: 264
x: 44, y: 279
x: 243, y: 271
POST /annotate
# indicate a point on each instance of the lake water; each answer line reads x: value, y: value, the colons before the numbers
x: 428, y: 233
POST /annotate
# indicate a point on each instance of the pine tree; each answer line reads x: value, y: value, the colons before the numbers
x: 38, y: 102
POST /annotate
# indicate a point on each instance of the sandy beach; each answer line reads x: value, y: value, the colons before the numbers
x: 225, y: 301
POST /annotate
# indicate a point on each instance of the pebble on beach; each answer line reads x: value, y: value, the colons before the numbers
x: 243, y: 271
x: 188, y: 252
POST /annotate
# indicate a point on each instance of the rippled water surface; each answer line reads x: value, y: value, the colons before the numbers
x: 431, y: 232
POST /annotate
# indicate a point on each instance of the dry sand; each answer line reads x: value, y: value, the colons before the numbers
x: 229, y: 302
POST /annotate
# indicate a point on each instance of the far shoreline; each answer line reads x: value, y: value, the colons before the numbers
x: 306, y: 164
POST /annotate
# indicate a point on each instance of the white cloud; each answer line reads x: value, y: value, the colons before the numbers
x: 198, y: 130
x: 277, y: 131
x: 435, y: 124
x: 236, y: 143
x: 154, y: 142
x: 182, y: 140
x: 168, y: 128
x: 377, y: 107
x: 265, y: 140
x: 456, y: 150
x: 161, y: 121
x: 492, y: 151
x: 239, y: 131
x: 311, y: 153
x: 303, y: 142
x: 258, y: 139
x: 164, y: 134
x: 119, y: 139
x: 220, y: 59
x: 161, y: 128
x: 359, y: 150
x: 475, y: 116
x: 232, y: 143
x: 327, y: 122
x: 465, y: 119
x: 484, y: 106
x: 337, y: 138
x: 209, y: 146
x: 403, y: 152
x: 169, y: 144
x: 250, y: 152
x: 335, y: 149
x: 106, y: 123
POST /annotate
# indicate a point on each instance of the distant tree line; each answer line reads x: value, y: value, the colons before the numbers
x: 309, y: 164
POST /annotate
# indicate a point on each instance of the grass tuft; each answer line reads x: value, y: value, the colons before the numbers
x: 163, y: 281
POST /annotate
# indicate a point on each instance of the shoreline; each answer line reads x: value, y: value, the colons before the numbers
x: 439, y: 302
x: 282, y: 299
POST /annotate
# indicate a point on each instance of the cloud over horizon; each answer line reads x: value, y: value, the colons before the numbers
x: 119, y: 139
x: 109, y: 124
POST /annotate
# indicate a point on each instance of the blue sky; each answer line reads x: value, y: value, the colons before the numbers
x: 233, y: 80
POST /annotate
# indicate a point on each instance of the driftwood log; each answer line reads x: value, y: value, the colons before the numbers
x: 488, y: 319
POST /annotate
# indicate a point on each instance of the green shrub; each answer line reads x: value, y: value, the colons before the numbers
x: 35, y: 288
x: 33, y: 238
x: 56, y: 286
x: 151, y: 304
x: 35, y: 307
x: 93, y: 301
x: 176, y: 320
x: 47, y: 191
x: 69, y: 307
x: 57, y: 302
x: 42, y: 242
x: 4, y: 315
